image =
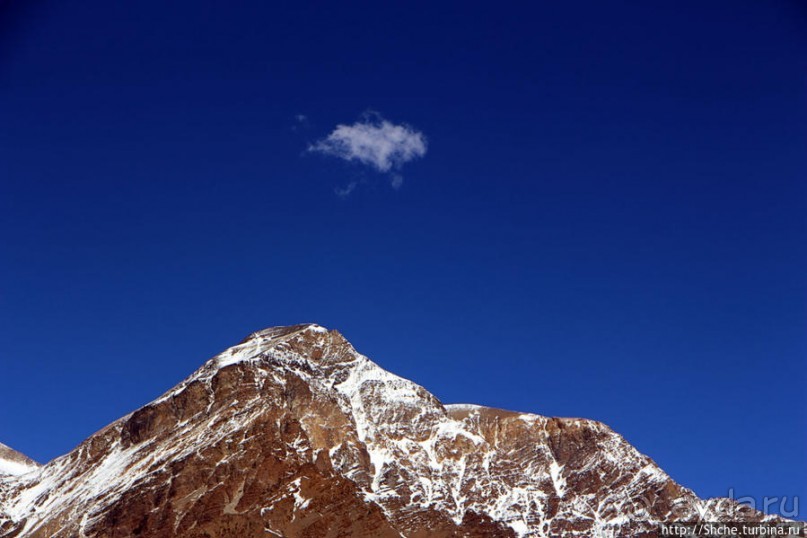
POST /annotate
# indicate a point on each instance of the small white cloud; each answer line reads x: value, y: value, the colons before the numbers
x: 344, y: 192
x: 300, y: 123
x: 396, y: 181
x: 376, y: 143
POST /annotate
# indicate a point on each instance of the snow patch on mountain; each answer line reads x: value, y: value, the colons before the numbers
x: 15, y: 468
x: 12, y: 463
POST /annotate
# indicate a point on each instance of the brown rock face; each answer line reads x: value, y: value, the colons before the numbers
x: 293, y: 433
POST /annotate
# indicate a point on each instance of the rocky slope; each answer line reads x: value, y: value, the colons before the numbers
x: 293, y: 433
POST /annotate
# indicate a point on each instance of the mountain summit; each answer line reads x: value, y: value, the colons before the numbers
x: 294, y: 433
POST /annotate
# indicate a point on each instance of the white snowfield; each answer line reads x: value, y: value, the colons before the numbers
x: 454, y: 459
x: 15, y: 468
x: 12, y: 463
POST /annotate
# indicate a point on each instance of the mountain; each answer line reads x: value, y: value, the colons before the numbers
x: 293, y: 433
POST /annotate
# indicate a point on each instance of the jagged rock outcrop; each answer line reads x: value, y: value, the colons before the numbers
x: 293, y: 433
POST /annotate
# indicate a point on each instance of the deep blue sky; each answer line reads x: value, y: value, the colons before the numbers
x: 610, y: 221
